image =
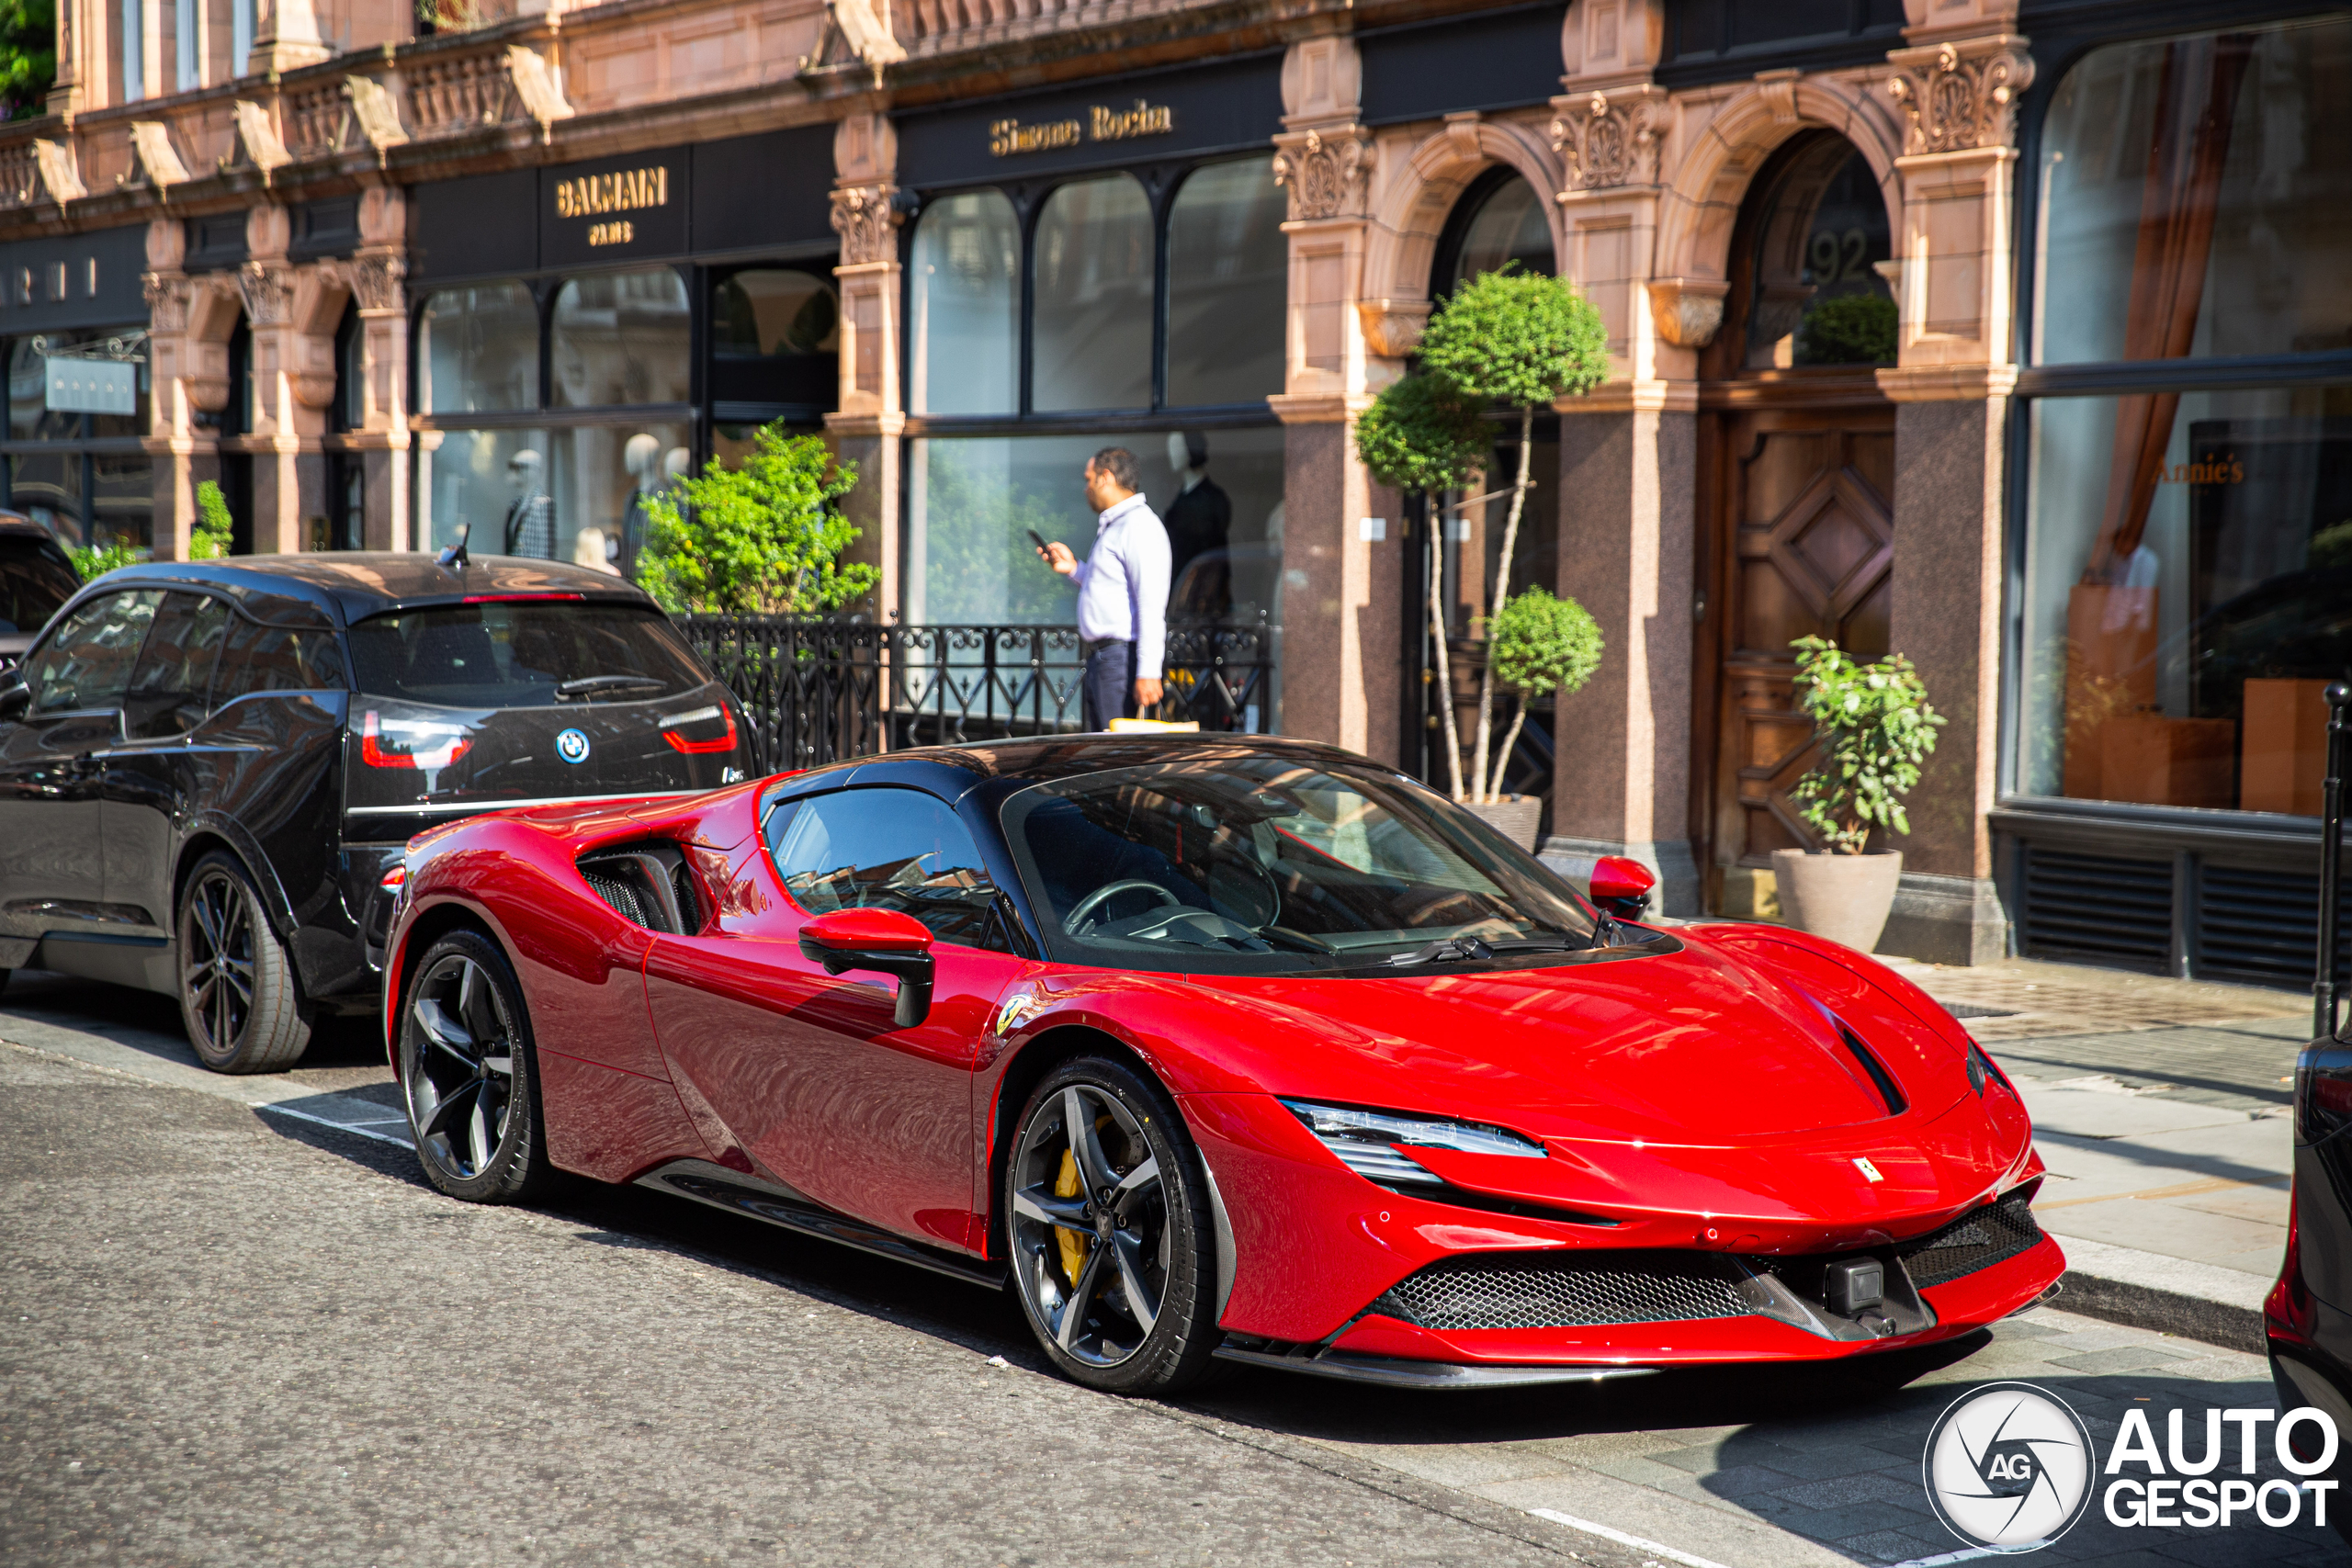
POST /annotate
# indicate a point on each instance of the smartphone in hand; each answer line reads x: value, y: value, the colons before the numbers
x: 1039, y: 539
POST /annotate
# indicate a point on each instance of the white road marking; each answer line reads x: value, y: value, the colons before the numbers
x: 359, y: 1127
x: 1970, y: 1556
x: 1690, y: 1560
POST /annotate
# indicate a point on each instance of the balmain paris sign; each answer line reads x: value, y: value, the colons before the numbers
x: 621, y: 191
x: 1008, y: 138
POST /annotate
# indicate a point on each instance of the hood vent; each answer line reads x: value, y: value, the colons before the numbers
x: 1888, y: 1089
x: 648, y: 884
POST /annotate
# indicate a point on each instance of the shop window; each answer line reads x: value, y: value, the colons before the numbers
x: 47, y: 488
x: 1094, y: 257
x: 480, y: 348
x: 1502, y: 221
x: 2197, y: 198
x: 58, y: 475
x: 971, y: 500
x: 350, y: 409
x: 576, y: 495
x: 621, y: 338
x: 775, y: 338
x: 1813, y: 293
x: 964, y: 327
x: 1227, y: 265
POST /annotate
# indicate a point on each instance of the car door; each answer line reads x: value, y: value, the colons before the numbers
x: 154, y: 777
x: 808, y: 1071
x: 52, y: 869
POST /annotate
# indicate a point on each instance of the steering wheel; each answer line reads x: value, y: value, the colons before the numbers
x: 1101, y: 896
x: 1273, y: 892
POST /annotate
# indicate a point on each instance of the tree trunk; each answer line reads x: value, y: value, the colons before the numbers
x: 1510, y: 738
x: 1437, y: 634
x: 1487, y: 773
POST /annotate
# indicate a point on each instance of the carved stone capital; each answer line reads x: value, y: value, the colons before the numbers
x: 1392, y: 328
x: 1609, y: 139
x: 1327, y: 173
x: 1961, y: 95
x: 1688, y: 310
x: 867, y: 221
x: 266, y: 288
x: 167, y: 301
x: 372, y: 275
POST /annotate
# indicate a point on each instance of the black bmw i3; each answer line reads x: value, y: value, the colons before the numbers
x: 209, y: 768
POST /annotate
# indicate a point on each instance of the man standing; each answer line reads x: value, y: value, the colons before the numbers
x: 1121, y: 592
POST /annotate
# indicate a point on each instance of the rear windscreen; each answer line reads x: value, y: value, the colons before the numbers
x: 525, y: 653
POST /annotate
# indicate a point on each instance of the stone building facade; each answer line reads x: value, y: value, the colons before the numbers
x: 392, y: 280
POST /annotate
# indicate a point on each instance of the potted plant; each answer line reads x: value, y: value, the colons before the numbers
x: 1537, y: 646
x: 1875, y: 727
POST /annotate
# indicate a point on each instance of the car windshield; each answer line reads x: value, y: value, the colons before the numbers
x: 34, y: 580
x: 1266, y: 864
x: 522, y: 653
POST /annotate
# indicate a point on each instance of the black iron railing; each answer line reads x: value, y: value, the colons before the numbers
x: 819, y: 691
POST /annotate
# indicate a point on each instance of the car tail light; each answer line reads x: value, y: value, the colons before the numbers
x: 521, y: 598
x: 410, y: 743
x: 394, y: 878
x: 676, y: 721
x: 2323, y: 1092
x: 2287, y: 1312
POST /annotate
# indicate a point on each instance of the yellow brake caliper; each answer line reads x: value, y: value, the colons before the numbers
x: 1074, y: 1244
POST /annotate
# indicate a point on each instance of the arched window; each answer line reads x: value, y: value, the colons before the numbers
x: 965, y: 327
x: 479, y: 349
x: 1226, y: 262
x: 1500, y: 219
x: 775, y: 339
x: 620, y: 338
x: 1815, y: 296
x: 1094, y: 259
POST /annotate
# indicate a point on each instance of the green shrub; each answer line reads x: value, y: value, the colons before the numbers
x: 1875, y: 727
x: 208, y: 540
x: 762, y: 538
x: 1849, y: 329
x: 97, y: 560
x: 1539, y: 645
x: 1421, y: 434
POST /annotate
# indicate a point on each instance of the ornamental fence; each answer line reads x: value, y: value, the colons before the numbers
x: 821, y: 691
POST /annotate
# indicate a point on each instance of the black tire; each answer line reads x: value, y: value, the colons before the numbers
x: 473, y: 1109
x: 237, y: 995
x: 1085, y: 1285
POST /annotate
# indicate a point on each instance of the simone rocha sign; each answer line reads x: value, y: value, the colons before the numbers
x: 1008, y: 138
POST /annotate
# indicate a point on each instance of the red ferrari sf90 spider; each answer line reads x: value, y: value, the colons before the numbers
x: 1212, y: 1046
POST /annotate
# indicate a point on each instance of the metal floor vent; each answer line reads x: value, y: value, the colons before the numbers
x: 2097, y: 909
x: 1993, y: 1233
x: 1522, y: 1290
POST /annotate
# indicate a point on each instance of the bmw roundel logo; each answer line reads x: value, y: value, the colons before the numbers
x: 2009, y: 1467
x: 572, y: 746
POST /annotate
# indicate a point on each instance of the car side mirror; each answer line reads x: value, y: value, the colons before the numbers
x: 1621, y: 886
x: 880, y: 940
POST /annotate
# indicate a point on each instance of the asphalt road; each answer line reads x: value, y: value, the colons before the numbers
x: 232, y: 1335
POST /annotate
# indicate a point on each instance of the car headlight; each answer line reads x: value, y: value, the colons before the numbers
x: 1366, y: 1141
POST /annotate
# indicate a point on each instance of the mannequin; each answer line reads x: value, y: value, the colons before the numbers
x: 593, y: 551
x: 642, y: 458
x: 531, y: 516
x: 1199, y: 520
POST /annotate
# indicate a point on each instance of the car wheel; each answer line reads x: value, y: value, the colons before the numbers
x: 236, y: 980
x: 1106, y: 1213
x: 468, y: 1077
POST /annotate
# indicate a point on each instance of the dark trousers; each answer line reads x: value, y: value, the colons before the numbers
x: 1108, y: 690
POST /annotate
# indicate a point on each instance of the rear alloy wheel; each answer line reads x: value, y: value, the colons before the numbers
x: 236, y: 982
x: 468, y: 1074
x: 1107, y: 1216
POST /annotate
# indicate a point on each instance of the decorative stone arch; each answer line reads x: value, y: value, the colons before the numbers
x: 1703, y: 200
x: 1410, y: 213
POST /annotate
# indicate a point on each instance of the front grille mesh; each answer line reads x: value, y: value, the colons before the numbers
x: 1979, y: 1240
x: 1548, y: 1290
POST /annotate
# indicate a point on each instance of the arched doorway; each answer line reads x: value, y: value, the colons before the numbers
x: 1796, y: 482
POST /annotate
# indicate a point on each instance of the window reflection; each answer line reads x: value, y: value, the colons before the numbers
x: 775, y: 338
x: 1509, y: 225
x: 964, y: 307
x: 621, y: 338
x: 1815, y: 295
x: 574, y: 495
x: 1227, y: 259
x: 1094, y: 260
x: 480, y: 347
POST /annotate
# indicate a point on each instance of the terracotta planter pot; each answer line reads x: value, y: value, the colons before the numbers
x: 1514, y: 817
x: 1843, y: 897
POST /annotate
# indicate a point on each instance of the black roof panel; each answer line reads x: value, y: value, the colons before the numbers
x: 349, y: 585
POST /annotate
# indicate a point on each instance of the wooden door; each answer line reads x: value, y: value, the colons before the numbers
x: 1803, y: 545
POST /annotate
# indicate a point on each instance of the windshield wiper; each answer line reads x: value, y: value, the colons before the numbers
x: 1445, y: 950
x: 586, y: 684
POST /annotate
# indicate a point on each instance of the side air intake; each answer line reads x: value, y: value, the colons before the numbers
x: 648, y: 884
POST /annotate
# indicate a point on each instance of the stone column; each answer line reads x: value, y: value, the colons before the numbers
x: 1342, y: 594
x: 172, y: 441
x: 1951, y: 387
x: 380, y: 433
x: 1628, y: 468
x: 286, y: 38
x: 872, y: 415
x: 267, y: 284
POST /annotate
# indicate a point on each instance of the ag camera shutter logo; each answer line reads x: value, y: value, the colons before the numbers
x: 2009, y: 1467
x: 572, y: 746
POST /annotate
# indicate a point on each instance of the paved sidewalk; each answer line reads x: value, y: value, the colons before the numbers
x: 2164, y: 1109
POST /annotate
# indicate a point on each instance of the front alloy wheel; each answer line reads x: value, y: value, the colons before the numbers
x: 1108, y: 1225
x: 466, y: 1074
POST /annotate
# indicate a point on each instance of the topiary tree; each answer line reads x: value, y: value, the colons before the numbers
x: 1875, y: 729
x: 1420, y: 436
x: 762, y: 538
x: 1525, y: 341
x: 210, y: 539
x: 1538, y: 645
